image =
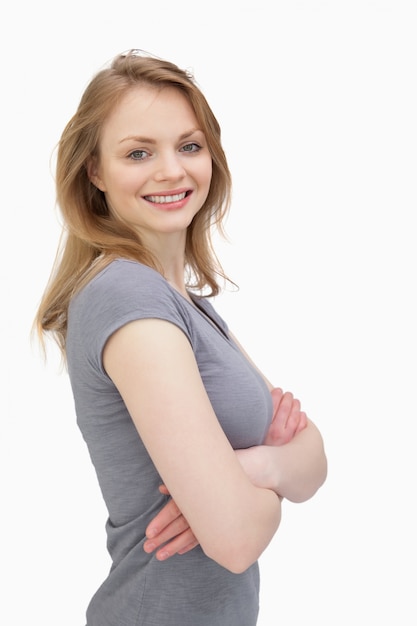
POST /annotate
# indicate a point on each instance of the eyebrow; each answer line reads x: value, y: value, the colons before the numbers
x: 141, y: 139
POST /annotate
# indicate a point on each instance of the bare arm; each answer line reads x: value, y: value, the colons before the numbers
x: 292, y: 462
x: 169, y: 532
x: 152, y: 365
x: 295, y: 470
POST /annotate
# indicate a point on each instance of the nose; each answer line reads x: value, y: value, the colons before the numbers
x: 169, y: 167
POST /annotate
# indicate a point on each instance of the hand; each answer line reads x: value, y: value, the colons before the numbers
x: 169, y: 531
x: 287, y: 420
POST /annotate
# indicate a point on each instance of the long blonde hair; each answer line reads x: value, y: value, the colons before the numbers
x: 92, y: 236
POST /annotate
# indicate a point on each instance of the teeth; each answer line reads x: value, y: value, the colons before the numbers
x: 166, y: 199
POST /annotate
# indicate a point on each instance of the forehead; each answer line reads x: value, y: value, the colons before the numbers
x: 145, y: 110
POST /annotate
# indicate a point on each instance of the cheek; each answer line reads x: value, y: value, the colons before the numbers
x: 122, y: 182
x: 206, y: 173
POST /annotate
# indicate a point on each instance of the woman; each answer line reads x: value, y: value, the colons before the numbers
x: 193, y: 448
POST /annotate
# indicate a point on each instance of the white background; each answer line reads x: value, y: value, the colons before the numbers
x: 318, y: 106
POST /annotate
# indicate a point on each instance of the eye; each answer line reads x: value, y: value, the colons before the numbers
x: 191, y: 147
x: 137, y: 155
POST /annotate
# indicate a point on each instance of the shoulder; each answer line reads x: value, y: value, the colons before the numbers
x: 122, y: 292
x: 123, y: 283
x: 122, y: 274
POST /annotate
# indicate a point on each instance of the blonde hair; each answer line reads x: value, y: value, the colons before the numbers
x: 92, y: 236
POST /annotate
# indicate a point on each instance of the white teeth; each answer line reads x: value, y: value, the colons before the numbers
x: 166, y: 199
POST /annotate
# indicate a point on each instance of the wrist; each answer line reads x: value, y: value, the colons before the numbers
x: 271, y: 468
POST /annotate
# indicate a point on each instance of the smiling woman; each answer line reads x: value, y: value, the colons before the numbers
x: 157, y: 178
x: 193, y: 447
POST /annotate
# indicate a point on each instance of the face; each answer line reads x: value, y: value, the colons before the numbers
x: 154, y: 165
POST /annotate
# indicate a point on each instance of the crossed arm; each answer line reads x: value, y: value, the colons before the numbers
x: 280, y: 464
x: 230, y: 494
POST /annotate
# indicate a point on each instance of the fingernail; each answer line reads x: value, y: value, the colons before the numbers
x: 152, y: 532
x: 149, y: 546
x: 162, y: 556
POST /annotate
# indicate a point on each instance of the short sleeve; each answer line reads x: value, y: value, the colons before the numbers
x: 121, y: 293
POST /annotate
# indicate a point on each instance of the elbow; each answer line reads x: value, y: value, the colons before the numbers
x: 242, y: 546
x: 235, y: 559
x: 308, y: 488
x: 320, y: 475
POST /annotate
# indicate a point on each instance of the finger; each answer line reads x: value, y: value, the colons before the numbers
x: 178, y: 526
x: 294, y: 416
x: 182, y: 543
x: 282, y: 413
x: 164, y: 490
x: 280, y: 430
x: 303, y: 422
x: 286, y: 422
x: 293, y: 421
x: 276, y: 394
x: 285, y: 407
x: 190, y: 546
x: 297, y: 419
x: 164, y: 518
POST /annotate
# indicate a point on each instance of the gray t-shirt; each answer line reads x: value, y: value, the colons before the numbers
x: 187, y: 590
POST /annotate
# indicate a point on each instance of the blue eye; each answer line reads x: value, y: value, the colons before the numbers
x: 191, y: 147
x: 138, y: 155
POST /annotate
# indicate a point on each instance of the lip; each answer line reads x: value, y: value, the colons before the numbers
x: 177, y: 199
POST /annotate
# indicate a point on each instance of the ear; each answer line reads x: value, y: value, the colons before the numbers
x: 93, y: 173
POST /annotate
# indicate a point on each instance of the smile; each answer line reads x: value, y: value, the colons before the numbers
x: 166, y: 199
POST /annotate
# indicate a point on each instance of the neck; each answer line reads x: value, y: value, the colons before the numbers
x: 169, y: 250
x: 173, y: 270
x: 175, y: 277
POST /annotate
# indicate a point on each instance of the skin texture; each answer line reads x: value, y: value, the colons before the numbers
x: 169, y: 532
x: 151, y: 150
x: 143, y: 155
x: 217, y: 498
